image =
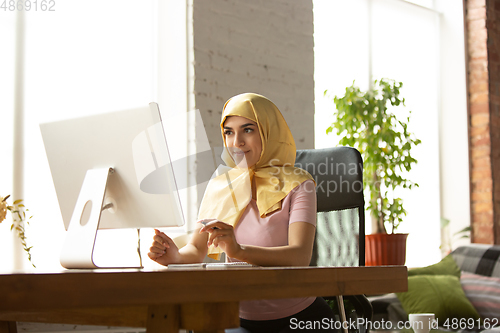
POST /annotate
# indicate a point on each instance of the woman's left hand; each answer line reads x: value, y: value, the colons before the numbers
x: 222, y: 235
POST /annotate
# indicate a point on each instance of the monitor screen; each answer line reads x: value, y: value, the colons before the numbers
x: 138, y: 183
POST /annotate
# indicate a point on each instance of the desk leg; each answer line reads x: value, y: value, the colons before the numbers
x: 343, y: 318
x: 8, y: 327
x: 163, y: 318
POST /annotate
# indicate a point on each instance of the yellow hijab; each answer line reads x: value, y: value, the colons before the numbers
x: 230, y: 191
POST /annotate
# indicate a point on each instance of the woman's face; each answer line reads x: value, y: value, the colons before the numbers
x: 243, y: 140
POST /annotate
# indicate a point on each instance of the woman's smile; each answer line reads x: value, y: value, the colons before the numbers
x: 243, y: 140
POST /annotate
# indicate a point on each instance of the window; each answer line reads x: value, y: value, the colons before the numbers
x: 356, y: 40
x: 86, y: 57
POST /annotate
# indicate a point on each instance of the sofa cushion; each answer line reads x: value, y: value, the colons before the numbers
x: 483, y: 292
x: 438, y: 294
x: 446, y: 266
x: 480, y: 259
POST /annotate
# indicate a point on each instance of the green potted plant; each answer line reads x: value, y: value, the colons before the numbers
x: 18, y: 211
x: 367, y: 122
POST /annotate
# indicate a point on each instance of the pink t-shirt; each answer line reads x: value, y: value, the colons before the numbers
x: 298, y: 206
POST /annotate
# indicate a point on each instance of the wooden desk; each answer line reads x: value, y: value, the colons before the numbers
x: 163, y: 301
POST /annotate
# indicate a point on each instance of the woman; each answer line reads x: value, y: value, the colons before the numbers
x: 266, y: 216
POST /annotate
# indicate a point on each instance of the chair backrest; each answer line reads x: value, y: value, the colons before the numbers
x: 340, y: 231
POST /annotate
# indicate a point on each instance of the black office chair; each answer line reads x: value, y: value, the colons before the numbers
x: 340, y: 230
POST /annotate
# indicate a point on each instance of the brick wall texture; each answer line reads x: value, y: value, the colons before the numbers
x: 260, y: 46
x: 483, y: 43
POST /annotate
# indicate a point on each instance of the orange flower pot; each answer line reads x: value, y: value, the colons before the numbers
x: 385, y: 249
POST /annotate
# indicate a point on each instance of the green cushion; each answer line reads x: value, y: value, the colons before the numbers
x: 439, y: 294
x: 447, y: 266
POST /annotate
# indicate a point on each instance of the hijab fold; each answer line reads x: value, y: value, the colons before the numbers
x: 230, y: 190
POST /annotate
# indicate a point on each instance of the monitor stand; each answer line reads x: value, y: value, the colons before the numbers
x: 78, y: 249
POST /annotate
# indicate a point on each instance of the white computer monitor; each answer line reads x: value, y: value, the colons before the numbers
x: 110, y: 171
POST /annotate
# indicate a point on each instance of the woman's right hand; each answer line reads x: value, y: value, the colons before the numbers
x: 163, y: 250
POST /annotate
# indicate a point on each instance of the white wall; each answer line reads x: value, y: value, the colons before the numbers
x: 453, y: 136
x: 263, y: 46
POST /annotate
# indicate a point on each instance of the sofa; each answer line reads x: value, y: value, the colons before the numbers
x: 463, y: 290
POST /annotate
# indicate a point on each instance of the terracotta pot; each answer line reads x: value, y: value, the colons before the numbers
x: 385, y: 249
